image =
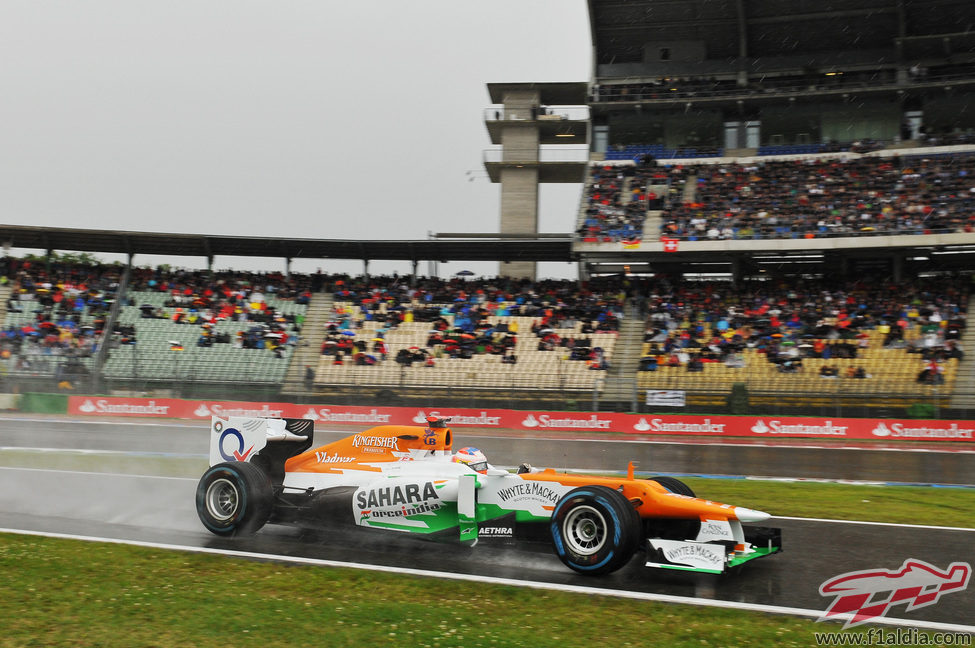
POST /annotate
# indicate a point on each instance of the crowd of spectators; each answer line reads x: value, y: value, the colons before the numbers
x: 688, y: 323
x: 821, y: 198
x: 470, y: 318
x: 194, y: 298
x: 692, y: 323
x: 618, y: 199
x: 395, y: 297
x: 69, y: 305
x: 53, y: 337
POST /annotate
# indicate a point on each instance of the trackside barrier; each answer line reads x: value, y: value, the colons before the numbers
x: 891, y: 430
x: 39, y: 403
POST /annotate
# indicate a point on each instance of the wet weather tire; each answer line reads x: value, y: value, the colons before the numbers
x: 674, y: 485
x: 234, y: 498
x: 595, y: 530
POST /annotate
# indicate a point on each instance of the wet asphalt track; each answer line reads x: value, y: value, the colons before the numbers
x: 161, y: 510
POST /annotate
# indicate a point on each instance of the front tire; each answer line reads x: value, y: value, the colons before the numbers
x: 672, y: 529
x: 595, y: 530
x: 234, y: 498
x: 674, y: 485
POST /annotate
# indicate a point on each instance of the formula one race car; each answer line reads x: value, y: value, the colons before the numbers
x: 406, y: 478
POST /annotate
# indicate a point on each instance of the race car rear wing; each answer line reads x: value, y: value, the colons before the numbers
x: 239, y: 438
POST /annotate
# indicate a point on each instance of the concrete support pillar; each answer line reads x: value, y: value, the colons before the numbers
x: 519, y: 213
x: 736, y: 271
x: 519, y: 181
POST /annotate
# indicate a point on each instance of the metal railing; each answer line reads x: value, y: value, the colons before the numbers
x: 512, y: 387
x: 543, y: 113
x: 542, y: 154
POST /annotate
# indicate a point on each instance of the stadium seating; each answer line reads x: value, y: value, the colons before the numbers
x: 815, y: 198
x: 534, y: 369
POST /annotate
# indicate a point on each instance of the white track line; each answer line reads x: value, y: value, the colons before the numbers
x: 90, y: 451
x: 98, y: 474
x: 576, y: 589
x: 890, y: 524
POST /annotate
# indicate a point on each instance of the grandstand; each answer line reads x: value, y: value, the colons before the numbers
x: 731, y: 152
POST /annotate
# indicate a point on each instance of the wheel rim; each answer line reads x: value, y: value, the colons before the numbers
x: 222, y: 499
x: 584, y: 530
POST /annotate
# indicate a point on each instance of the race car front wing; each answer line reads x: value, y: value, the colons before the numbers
x: 713, y: 557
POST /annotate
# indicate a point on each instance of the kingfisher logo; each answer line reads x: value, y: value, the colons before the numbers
x: 869, y: 594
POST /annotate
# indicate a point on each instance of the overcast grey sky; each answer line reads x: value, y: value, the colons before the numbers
x: 305, y: 118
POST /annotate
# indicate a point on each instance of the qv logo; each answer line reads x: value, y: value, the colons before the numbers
x: 868, y: 594
x: 236, y: 454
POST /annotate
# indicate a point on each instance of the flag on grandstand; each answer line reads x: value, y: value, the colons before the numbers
x: 670, y: 244
x: 175, y: 345
x: 631, y: 243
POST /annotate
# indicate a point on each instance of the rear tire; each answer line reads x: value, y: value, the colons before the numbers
x: 234, y: 498
x: 595, y: 530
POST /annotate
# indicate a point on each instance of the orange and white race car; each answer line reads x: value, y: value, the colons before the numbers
x: 408, y: 479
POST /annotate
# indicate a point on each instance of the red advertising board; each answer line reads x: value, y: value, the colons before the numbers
x: 645, y: 424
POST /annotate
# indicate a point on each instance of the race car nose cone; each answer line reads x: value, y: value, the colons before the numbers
x: 750, y: 515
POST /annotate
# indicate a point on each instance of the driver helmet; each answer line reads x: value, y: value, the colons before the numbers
x: 473, y: 458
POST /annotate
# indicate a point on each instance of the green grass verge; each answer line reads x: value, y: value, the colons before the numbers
x: 86, y: 595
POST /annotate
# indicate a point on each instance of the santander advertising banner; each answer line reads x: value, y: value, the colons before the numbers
x: 541, y: 421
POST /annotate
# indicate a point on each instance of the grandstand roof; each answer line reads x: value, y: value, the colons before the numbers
x: 758, y: 29
x: 208, y: 246
x: 557, y: 94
